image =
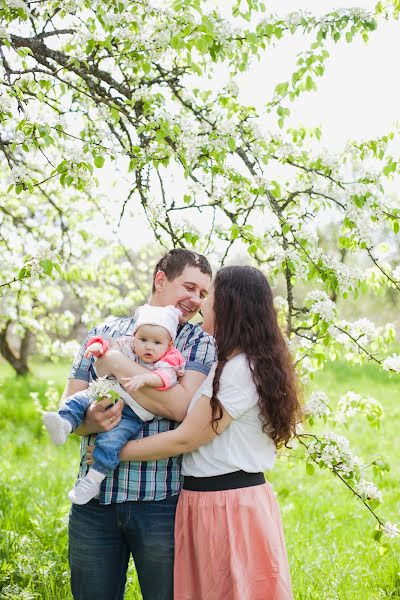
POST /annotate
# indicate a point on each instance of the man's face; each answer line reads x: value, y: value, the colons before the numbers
x: 186, y: 292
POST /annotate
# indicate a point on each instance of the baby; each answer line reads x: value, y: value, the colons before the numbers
x: 150, y: 345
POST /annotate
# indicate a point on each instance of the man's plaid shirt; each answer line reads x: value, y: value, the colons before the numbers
x: 152, y: 480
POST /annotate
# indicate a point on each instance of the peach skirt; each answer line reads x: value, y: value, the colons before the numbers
x: 230, y: 545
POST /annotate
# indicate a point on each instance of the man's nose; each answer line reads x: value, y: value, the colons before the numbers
x: 196, y: 299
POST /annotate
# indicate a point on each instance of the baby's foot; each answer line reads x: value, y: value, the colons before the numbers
x: 87, y: 488
x: 58, y: 428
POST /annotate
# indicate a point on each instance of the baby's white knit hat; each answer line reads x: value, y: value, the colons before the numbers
x: 163, y: 316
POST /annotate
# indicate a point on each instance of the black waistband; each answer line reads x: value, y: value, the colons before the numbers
x: 228, y: 481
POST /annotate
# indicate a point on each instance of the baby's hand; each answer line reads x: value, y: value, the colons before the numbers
x: 131, y: 384
x: 95, y: 350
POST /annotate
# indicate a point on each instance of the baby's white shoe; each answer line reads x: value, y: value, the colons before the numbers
x: 58, y: 428
x: 87, y: 488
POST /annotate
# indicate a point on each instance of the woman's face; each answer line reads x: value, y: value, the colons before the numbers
x: 207, y: 311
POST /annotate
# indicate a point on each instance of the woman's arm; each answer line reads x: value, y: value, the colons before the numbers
x: 195, y: 431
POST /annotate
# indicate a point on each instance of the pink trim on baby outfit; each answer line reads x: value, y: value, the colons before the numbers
x: 98, y: 340
x: 172, y: 365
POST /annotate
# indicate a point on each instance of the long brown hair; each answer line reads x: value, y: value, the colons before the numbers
x: 245, y: 319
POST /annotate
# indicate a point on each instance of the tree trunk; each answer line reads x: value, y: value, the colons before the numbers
x: 19, y: 362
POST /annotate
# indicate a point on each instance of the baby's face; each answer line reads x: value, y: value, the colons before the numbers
x: 151, y: 342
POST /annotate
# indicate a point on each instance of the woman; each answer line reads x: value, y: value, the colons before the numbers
x: 229, y: 541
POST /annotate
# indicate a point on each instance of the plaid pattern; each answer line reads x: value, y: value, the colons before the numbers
x: 153, y: 480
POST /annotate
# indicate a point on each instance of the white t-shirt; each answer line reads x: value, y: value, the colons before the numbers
x: 242, y: 445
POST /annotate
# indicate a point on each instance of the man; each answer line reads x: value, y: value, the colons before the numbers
x: 135, y: 511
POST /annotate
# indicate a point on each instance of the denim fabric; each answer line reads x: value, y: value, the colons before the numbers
x: 101, y: 539
x: 74, y: 408
x: 109, y: 443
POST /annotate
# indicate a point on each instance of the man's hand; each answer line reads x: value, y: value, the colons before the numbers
x: 101, y: 417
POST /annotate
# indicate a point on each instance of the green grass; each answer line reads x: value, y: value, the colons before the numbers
x: 328, y: 533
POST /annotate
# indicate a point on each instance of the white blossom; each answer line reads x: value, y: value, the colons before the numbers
x: 396, y: 273
x: 18, y: 4
x: 392, y: 363
x: 322, y: 305
x: 351, y: 404
x: 3, y: 33
x: 19, y: 174
x: 317, y: 405
x: 101, y: 388
x: 6, y: 103
x: 232, y: 88
x: 281, y: 303
x: 390, y: 530
x: 368, y: 490
x: 333, y: 451
x: 362, y: 331
x: 294, y: 19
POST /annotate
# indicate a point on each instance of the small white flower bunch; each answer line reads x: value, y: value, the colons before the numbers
x: 322, y: 305
x: 317, y: 406
x: 332, y: 451
x: 39, y: 262
x: 351, y: 404
x: 396, y: 273
x: 390, y: 530
x: 392, y: 363
x: 102, y: 388
x: 368, y: 491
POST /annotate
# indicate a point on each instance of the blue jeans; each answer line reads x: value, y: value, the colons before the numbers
x: 101, y: 539
x: 108, y: 443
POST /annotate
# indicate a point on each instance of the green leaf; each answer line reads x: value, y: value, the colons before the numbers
x: 47, y: 266
x: 232, y: 144
x: 234, y: 231
x: 310, y: 85
x: 175, y: 42
x: 24, y: 272
x: 99, y: 161
x: 310, y: 468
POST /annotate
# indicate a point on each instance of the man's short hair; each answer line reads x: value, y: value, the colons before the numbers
x: 176, y: 260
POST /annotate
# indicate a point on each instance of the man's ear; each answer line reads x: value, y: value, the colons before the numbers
x: 159, y: 280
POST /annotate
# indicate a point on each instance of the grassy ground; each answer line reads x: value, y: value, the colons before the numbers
x: 329, y: 534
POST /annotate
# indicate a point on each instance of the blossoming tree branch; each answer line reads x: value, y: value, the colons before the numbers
x: 151, y: 87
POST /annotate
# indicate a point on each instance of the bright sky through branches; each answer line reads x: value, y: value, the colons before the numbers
x: 357, y: 98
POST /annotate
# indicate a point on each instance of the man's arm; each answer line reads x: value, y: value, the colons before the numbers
x: 172, y: 403
x: 73, y: 386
